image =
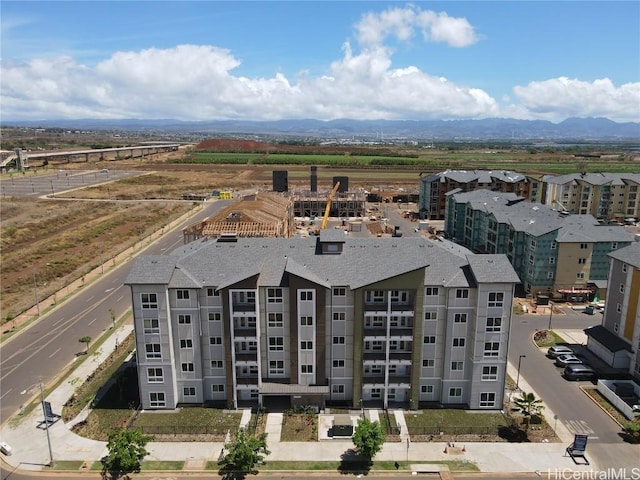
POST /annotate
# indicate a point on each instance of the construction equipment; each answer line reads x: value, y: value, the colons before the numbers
x: 325, y: 218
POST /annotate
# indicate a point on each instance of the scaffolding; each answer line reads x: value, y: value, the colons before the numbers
x: 313, y: 204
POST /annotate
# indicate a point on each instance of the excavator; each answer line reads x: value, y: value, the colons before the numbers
x: 325, y: 218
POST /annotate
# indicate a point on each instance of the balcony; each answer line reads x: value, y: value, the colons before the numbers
x: 247, y: 356
x: 243, y: 307
x: 245, y: 332
x: 398, y: 379
x: 401, y: 306
x: 368, y: 355
x: 247, y: 380
x: 375, y: 307
x: 400, y: 331
x: 375, y: 331
x: 400, y: 355
x: 373, y: 378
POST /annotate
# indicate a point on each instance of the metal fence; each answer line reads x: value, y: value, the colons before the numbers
x: 183, y: 430
x: 455, y: 430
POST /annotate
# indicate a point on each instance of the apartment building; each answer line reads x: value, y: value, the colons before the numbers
x: 433, y: 188
x: 327, y: 320
x: 617, y: 340
x: 611, y: 196
x: 552, y: 252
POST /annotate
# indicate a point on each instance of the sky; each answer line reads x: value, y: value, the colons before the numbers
x: 363, y: 60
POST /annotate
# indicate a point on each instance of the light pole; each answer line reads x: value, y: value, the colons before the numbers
x: 46, y: 426
x: 35, y: 293
x: 518, y: 377
x: 550, y: 313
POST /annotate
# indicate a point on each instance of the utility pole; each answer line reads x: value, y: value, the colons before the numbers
x: 35, y: 293
x: 46, y: 424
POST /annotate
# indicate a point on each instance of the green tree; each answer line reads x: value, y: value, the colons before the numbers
x: 86, y: 340
x: 368, y: 438
x: 632, y: 429
x: 126, y: 451
x: 528, y: 405
x: 243, y: 454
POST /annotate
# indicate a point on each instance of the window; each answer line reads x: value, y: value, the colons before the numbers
x: 153, y: 350
x: 186, y: 343
x: 496, y: 299
x: 494, y: 324
x: 533, y: 244
x: 337, y: 389
x: 338, y: 363
x: 491, y: 349
x: 554, y: 245
x: 339, y: 292
x: 460, y: 318
x: 215, y: 316
x: 582, y: 261
x: 584, y: 246
x: 339, y: 316
x: 430, y: 315
x: 276, y: 344
x: 212, y: 292
x: 426, y: 388
x: 430, y: 363
x: 458, y: 342
x: 624, y: 267
x: 215, y: 340
x: 189, y: 391
x: 184, y: 319
x: 274, y: 295
x: 276, y: 367
x: 154, y: 375
x: 616, y: 327
x: 614, y: 245
x: 182, y: 294
x: 618, y: 308
x: 490, y: 372
x: 217, y: 364
x: 306, y: 321
x: 622, y: 288
x: 217, y: 388
x: 549, y: 275
x: 149, y: 300
x: 306, y: 296
x: 376, y: 393
x: 187, y: 367
x: 457, y: 366
x: 455, y: 392
x: 431, y: 291
x: 275, y: 320
x: 462, y: 293
x: 552, y: 260
x: 306, y: 368
x: 580, y: 275
x: 151, y: 325
x: 156, y: 399
x: 306, y: 345
x: 338, y: 340
x: 374, y: 296
x: 429, y: 339
x: 487, y: 399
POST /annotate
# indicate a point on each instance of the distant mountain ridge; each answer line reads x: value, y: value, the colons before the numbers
x: 485, y: 129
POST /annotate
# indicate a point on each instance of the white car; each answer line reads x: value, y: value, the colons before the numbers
x: 564, y: 360
x: 556, y: 350
x: 5, y: 448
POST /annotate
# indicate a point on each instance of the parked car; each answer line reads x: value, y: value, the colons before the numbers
x: 578, y: 371
x: 556, y: 350
x: 564, y: 360
x: 5, y: 448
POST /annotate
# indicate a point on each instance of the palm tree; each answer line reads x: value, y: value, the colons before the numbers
x: 528, y: 405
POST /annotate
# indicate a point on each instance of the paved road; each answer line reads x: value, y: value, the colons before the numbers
x: 564, y: 398
x: 34, y: 184
x: 42, y: 352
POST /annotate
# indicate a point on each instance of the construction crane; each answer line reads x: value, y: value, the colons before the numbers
x: 325, y: 218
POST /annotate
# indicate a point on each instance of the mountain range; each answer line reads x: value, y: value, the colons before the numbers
x: 486, y: 129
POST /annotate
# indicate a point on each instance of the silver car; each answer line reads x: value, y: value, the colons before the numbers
x: 556, y: 350
x: 564, y: 360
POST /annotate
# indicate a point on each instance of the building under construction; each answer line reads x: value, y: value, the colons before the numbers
x: 259, y: 215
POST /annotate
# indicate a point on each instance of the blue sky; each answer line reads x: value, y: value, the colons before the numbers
x: 211, y: 60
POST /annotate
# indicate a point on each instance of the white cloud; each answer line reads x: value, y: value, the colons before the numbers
x: 374, y: 28
x: 558, y: 98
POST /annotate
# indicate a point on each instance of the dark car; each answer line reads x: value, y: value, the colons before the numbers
x: 556, y: 350
x: 579, y: 372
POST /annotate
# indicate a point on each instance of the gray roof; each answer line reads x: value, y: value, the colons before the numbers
x: 602, y: 178
x: 363, y: 261
x: 606, y: 338
x: 629, y: 254
x: 481, y: 176
x: 536, y: 219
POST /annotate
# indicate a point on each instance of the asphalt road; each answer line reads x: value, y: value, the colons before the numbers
x: 41, y: 352
x: 574, y: 408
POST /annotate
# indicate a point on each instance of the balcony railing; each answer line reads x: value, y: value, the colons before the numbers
x: 402, y: 306
x: 243, y: 307
x: 400, y: 331
x: 247, y: 380
x: 373, y: 356
x: 247, y: 356
x: 375, y: 331
x: 377, y: 378
x: 404, y: 355
x: 245, y: 332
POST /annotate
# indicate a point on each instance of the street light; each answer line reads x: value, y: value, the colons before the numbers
x: 35, y: 293
x: 518, y: 377
x: 550, y: 313
x: 46, y: 426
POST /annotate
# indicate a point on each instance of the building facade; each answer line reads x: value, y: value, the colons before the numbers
x: 322, y: 320
x: 553, y: 253
x: 610, y: 196
x: 617, y: 340
x: 433, y: 188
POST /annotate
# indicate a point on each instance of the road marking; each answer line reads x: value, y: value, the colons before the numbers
x: 120, y: 298
x: 579, y: 427
x: 90, y: 298
x: 55, y: 352
x: 6, y: 392
x: 108, y: 289
x: 91, y: 321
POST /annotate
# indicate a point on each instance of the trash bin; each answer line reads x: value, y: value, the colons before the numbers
x: 589, y: 310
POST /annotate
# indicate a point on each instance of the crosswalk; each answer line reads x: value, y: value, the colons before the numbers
x: 580, y: 427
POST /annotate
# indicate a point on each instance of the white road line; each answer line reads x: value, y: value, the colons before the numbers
x: 108, y: 290
x: 91, y: 321
x: 55, y: 352
x: 5, y: 393
x: 90, y: 298
x: 120, y: 298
